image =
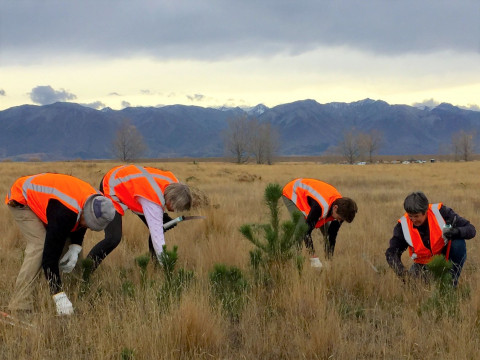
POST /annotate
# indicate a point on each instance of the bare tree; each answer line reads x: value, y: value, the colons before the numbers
x: 264, y: 141
x: 369, y: 143
x: 272, y: 139
x: 128, y: 144
x: 463, y: 144
x: 245, y: 137
x: 236, y: 138
x: 348, y: 146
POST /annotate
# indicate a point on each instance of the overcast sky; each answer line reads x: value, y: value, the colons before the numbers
x: 120, y: 53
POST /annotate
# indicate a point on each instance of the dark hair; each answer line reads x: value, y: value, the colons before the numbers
x: 347, y: 208
x: 416, y: 203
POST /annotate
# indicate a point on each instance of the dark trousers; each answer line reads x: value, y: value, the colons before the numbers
x: 113, y: 236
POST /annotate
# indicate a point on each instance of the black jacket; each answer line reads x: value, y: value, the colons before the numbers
x: 61, y: 221
x: 398, y: 244
x: 312, y: 218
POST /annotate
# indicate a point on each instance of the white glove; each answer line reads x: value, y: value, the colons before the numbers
x: 316, y: 263
x: 69, y: 260
x: 64, y: 306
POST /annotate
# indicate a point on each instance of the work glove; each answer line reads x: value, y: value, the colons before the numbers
x: 69, y: 260
x: 451, y: 233
x: 167, y: 218
x: 315, y: 263
x: 64, y: 306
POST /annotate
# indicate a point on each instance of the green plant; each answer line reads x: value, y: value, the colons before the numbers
x: 281, y: 242
x: 142, y: 262
x: 168, y: 260
x: 175, y: 282
x: 128, y: 289
x: 127, y: 354
x: 229, y: 286
x: 87, y: 267
x: 444, y: 299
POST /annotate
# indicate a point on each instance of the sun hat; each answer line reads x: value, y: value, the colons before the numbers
x: 98, y: 212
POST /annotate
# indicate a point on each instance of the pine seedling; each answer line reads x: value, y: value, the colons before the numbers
x: 229, y: 287
x: 440, y: 268
x: 142, y: 262
x: 168, y: 260
x: 175, y: 282
x: 127, y: 354
x: 444, y: 299
x: 280, y: 242
x: 87, y: 266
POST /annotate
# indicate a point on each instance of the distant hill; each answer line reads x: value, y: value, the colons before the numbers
x: 63, y: 131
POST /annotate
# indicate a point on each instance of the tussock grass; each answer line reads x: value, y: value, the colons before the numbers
x: 347, y: 311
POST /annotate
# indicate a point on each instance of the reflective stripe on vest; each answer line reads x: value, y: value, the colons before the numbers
x: 27, y: 185
x: 112, y: 182
x: 406, y: 231
x: 299, y: 184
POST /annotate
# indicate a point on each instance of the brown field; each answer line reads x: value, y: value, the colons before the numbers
x: 347, y: 311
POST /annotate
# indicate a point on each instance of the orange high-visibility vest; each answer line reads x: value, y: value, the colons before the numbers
x: 324, y: 194
x: 418, y: 252
x: 35, y: 192
x: 123, y: 184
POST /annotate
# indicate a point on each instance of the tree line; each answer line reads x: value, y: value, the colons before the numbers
x: 247, y: 138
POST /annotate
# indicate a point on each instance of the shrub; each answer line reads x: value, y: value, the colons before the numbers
x: 229, y: 287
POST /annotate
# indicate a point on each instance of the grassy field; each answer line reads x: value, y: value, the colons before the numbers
x: 347, y: 311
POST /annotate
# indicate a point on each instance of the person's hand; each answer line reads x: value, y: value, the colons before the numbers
x: 69, y: 260
x: 63, y: 305
x: 451, y: 233
x: 315, y: 262
x: 167, y: 218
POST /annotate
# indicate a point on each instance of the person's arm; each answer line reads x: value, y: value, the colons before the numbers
x: 314, y: 215
x: 61, y: 220
x: 465, y: 229
x: 154, y: 216
x: 394, y: 253
x: 332, y: 237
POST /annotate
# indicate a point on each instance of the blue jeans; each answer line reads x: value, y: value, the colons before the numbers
x: 458, y: 255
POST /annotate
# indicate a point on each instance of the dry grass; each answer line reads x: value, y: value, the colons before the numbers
x: 347, y: 311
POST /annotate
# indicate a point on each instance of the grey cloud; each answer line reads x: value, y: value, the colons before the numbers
x: 114, y: 94
x: 2, y: 92
x: 429, y: 103
x: 230, y: 28
x: 196, y: 97
x: 95, y: 105
x: 472, y: 107
x: 44, y: 95
x: 125, y: 104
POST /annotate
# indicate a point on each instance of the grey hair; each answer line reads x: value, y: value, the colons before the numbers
x: 179, y: 196
x: 416, y: 203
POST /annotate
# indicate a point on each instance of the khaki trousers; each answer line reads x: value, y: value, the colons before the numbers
x: 34, y: 233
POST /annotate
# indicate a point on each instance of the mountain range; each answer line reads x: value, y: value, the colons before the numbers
x: 66, y: 131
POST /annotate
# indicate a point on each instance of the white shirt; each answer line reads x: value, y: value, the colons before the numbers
x: 154, y: 215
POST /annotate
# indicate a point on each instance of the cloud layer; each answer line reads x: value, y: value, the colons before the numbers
x: 221, y: 29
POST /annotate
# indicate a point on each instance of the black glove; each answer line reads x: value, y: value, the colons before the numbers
x: 167, y: 218
x: 452, y: 233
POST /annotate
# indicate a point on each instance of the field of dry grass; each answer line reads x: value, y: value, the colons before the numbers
x: 347, y: 311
